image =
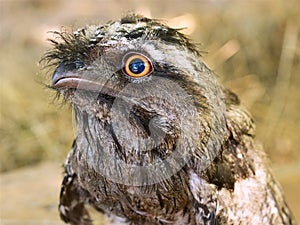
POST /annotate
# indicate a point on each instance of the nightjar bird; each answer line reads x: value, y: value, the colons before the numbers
x: 158, y: 140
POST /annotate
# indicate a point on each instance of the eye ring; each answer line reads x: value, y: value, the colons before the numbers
x: 137, y: 65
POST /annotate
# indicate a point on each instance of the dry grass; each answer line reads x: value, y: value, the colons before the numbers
x: 253, y: 46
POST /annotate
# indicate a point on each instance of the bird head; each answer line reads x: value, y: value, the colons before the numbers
x: 142, y: 97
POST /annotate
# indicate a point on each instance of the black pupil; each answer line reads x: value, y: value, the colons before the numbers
x: 137, y: 66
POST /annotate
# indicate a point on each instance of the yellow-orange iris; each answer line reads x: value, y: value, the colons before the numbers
x: 137, y: 65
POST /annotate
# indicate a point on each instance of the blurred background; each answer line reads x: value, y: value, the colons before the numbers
x: 253, y: 47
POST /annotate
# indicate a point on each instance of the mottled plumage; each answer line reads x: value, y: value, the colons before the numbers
x: 218, y: 173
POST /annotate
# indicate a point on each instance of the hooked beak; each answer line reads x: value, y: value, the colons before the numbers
x: 67, y: 76
x: 74, y: 80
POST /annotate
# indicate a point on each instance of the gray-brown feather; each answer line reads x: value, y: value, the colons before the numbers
x: 236, y: 188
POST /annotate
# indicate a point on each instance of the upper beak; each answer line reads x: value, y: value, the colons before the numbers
x: 68, y: 75
x: 74, y: 80
x: 64, y: 78
x: 65, y: 75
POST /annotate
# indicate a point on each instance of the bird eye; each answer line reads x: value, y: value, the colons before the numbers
x: 137, y: 65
